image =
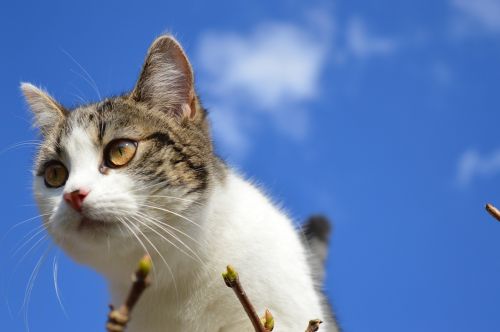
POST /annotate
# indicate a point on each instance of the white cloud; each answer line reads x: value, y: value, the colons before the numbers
x: 271, y: 72
x: 485, y: 13
x: 472, y: 165
x: 275, y: 63
x: 362, y: 44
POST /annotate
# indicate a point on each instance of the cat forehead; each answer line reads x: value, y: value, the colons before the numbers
x: 109, y: 118
x: 102, y: 122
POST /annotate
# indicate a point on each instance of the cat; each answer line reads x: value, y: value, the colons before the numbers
x: 137, y: 173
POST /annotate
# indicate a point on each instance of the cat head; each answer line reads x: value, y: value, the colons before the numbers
x: 128, y: 170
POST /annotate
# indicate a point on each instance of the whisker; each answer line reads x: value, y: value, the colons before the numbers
x: 40, y: 230
x: 22, y: 223
x: 21, y: 144
x: 56, y: 287
x: 148, y: 186
x: 79, y: 98
x: 89, y: 80
x: 161, y: 256
x: 83, y: 77
x: 31, y: 249
x: 83, y: 100
x: 173, y: 197
x: 196, y: 257
x: 124, y: 221
x: 30, y: 285
x: 171, y: 227
x: 162, y: 226
x: 172, y: 212
x: 163, y: 237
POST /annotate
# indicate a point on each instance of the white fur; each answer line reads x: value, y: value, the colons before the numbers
x: 237, y: 225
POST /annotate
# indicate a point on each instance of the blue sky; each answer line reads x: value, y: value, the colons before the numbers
x: 383, y: 115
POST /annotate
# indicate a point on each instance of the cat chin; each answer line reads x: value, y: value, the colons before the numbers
x: 87, y: 235
x: 92, y: 247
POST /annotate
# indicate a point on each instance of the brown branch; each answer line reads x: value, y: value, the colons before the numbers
x: 233, y: 281
x: 313, y: 325
x: 266, y: 323
x: 493, y: 211
x: 118, y: 319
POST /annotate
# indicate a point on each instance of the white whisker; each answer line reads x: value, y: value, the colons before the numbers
x: 22, y: 223
x: 147, y: 187
x: 40, y: 230
x: 30, y: 285
x: 161, y: 256
x: 56, y: 287
x: 162, y: 226
x: 163, y: 237
x: 124, y: 223
x: 173, y: 197
x: 172, y: 212
x: 89, y: 80
x: 31, y: 249
x: 28, y: 143
x: 25, y: 243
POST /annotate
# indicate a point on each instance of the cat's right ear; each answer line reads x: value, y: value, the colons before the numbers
x: 47, y: 111
x: 166, y: 81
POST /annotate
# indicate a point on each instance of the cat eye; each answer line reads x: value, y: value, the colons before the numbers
x: 119, y: 152
x: 55, y: 175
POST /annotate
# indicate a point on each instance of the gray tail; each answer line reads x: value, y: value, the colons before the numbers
x: 317, y: 231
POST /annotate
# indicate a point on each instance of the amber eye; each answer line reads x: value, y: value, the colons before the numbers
x: 55, y: 174
x: 119, y: 152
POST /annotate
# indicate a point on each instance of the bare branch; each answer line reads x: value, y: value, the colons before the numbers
x: 233, y: 281
x: 118, y: 319
x: 266, y: 323
x: 313, y: 325
x: 495, y: 213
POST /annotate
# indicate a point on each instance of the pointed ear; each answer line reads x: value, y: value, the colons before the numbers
x: 47, y: 111
x: 166, y: 81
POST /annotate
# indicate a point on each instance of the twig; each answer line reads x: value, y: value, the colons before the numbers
x: 313, y: 325
x: 266, y: 323
x: 118, y: 319
x: 233, y: 281
x: 493, y: 211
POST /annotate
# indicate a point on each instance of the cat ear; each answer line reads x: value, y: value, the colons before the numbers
x: 47, y: 111
x: 166, y: 81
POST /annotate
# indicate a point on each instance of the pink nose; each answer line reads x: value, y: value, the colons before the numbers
x: 75, y: 198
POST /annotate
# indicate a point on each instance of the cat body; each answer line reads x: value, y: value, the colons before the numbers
x: 137, y: 173
x: 241, y: 227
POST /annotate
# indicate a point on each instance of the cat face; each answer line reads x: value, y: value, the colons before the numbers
x: 127, y: 171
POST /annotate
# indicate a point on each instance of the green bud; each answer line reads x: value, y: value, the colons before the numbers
x: 145, y: 266
x: 230, y: 276
x: 268, y: 320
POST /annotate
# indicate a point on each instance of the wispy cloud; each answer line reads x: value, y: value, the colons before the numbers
x: 361, y: 43
x: 274, y: 63
x: 484, y: 14
x: 472, y: 165
x: 270, y: 72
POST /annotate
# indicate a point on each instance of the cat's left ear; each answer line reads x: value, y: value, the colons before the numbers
x: 48, y: 112
x: 166, y: 81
